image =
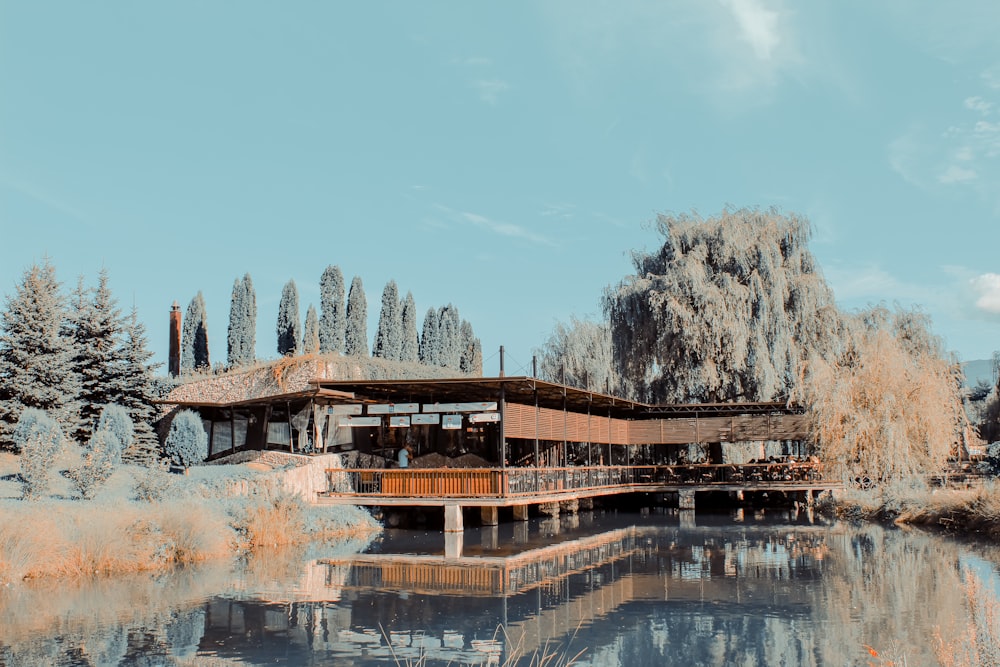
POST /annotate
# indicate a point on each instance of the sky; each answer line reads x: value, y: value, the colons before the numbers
x: 502, y: 157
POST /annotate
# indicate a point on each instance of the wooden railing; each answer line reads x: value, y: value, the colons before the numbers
x: 509, y: 482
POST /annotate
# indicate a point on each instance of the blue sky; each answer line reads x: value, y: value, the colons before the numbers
x: 503, y: 157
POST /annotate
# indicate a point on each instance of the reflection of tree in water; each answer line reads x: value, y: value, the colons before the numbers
x: 184, y: 632
x: 887, y: 589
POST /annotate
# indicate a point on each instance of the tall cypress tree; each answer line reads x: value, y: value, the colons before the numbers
x: 450, y: 336
x: 409, y: 346
x: 242, y: 340
x: 332, y: 320
x: 194, y: 337
x: 289, y: 324
x: 310, y: 336
x: 356, y: 329
x: 140, y: 391
x: 430, y: 345
x: 471, y: 359
x: 97, y: 328
x: 36, y: 354
x: 389, y: 336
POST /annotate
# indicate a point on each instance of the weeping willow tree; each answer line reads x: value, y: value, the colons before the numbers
x: 890, y: 405
x: 725, y: 310
x: 578, y: 354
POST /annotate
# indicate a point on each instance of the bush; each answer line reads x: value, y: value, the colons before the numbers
x: 39, y: 438
x: 116, y: 421
x: 991, y: 464
x: 151, y: 485
x: 114, y: 433
x: 187, y: 442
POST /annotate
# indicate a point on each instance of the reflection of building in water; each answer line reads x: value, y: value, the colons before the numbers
x: 391, y: 608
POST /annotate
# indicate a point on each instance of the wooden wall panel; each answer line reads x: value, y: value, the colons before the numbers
x: 555, y: 425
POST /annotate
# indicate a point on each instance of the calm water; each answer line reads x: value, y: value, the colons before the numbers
x: 599, y: 588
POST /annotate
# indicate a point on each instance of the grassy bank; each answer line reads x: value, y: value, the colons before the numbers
x: 968, y: 511
x: 190, y: 518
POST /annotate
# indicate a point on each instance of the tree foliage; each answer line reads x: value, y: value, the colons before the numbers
x: 310, y: 333
x: 140, y: 390
x: 289, y: 327
x: 113, y: 435
x: 409, y: 345
x: 194, y: 337
x: 449, y: 337
x: 39, y: 439
x: 430, y: 345
x: 37, y: 354
x: 725, y: 310
x: 578, y: 355
x: 471, y: 359
x: 890, y: 404
x: 96, y: 325
x: 389, y: 335
x: 242, y: 338
x: 187, y: 443
x: 332, y: 320
x: 356, y: 328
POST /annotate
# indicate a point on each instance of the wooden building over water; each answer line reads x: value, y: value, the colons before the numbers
x: 516, y: 421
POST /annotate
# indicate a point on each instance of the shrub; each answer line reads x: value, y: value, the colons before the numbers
x: 187, y: 442
x: 991, y: 464
x: 115, y: 420
x: 151, y: 485
x: 113, y: 435
x: 39, y: 438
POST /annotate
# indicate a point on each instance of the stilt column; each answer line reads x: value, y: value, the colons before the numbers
x: 453, y: 519
x: 685, y: 499
x: 490, y: 515
x: 520, y: 512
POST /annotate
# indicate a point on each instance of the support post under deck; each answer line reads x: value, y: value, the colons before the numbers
x: 453, y: 519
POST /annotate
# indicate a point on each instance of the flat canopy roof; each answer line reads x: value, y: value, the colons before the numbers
x: 516, y: 389
x: 523, y: 389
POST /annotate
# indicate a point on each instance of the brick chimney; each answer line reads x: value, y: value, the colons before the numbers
x: 174, y: 363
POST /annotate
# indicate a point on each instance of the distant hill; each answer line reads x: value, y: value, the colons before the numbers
x: 976, y: 370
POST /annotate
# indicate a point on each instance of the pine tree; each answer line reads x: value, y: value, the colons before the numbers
x: 36, y: 354
x: 471, y: 360
x: 331, y: 303
x: 430, y: 345
x: 389, y: 336
x: 356, y: 328
x: 242, y: 340
x: 310, y: 335
x: 194, y: 337
x: 96, y: 328
x: 450, y: 336
x: 289, y: 322
x: 140, y: 392
x: 409, y: 346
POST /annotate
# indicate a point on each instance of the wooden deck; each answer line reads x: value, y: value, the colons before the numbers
x: 506, y: 487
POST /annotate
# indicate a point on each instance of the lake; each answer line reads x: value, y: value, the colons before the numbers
x: 600, y: 588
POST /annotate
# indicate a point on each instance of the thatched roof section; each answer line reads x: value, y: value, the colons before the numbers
x: 293, y: 374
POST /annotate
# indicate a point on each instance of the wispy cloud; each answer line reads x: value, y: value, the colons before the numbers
x: 40, y: 195
x: 758, y: 26
x: 723, y: 49
x: 966, y: 153
x: 495, y: 226
x: 490, y: 90
x: 987, y: 290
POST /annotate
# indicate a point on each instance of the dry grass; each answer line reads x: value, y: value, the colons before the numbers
x: 59, y: 538
x: 960, y: 510
x: 197, y: 520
